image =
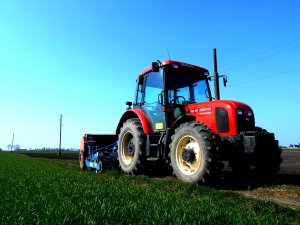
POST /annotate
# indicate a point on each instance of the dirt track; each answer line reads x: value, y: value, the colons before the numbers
x: 52, y: 155
x: 289, y: 174
x: 291, y: 162
x: 280, y: 190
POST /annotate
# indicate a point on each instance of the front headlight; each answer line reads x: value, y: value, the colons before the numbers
x: 240, y: 112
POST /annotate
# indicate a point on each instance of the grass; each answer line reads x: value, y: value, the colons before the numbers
x: 44, y: 191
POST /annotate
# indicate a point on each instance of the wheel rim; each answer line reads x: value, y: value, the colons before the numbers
x: 188, y: 155
x: 127, y: 148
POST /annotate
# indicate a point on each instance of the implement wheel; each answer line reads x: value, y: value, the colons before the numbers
x: 82, y: 156
x: 194, y: 153
x: 130, y: 147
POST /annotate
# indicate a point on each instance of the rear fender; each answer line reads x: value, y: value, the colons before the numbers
x: 135, y: 113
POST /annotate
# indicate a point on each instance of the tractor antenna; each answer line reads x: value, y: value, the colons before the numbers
x: 168, y: 54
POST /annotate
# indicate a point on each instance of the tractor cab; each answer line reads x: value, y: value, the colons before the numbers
x: 164, y: 90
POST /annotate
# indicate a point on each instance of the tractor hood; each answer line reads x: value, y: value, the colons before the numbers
x: 228, y: 104
x: 225, y: 117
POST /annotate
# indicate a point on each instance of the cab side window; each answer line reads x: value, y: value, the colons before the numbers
x: 140, y: 90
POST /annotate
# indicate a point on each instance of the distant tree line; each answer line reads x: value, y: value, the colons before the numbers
x: 294, y: 146
x: 13, y: 147
x: 54, y: 149
x: 18, y: 148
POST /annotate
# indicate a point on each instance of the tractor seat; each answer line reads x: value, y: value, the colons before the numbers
x: 177, y: 111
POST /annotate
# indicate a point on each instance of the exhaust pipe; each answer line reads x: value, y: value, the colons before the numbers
x: 216, y: 77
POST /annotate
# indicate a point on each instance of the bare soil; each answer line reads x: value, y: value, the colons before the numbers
x: 283, y: 188
x: 53, y: 155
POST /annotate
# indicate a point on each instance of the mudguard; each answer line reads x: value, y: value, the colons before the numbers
x: 135, y: 113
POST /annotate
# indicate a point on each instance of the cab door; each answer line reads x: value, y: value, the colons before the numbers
x: 150, y: 87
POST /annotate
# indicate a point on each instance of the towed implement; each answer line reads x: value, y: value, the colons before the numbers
x: 175, y: 123
x: 99, y: 151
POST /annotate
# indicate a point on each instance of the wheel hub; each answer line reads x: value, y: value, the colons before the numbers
x: 131, y: 147
x: 188, y: 155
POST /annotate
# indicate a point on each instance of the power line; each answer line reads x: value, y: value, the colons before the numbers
x: 262, y: 52
x: 264, y: 58
x: 265, y: 77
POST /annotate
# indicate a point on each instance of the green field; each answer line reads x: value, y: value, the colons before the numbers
x: 52, y: 191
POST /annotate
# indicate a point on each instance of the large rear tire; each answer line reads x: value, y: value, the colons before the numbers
x: 265, y: 160
x: 268, y: 158
x: 194, y: 153
x: 268, y: 162
x: 238, y: 161
x: 131, y: 146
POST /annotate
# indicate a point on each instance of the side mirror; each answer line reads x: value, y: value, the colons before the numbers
x: 224, y: 80
x: 161, y: 98
x: 155, y: 67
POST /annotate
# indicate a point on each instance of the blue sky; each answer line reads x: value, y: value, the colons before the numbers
x: 81, y: 58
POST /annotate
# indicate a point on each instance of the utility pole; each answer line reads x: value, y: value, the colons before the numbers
x: 12, y: 142
x: 60, y: 121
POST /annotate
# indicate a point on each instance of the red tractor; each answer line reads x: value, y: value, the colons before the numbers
x: 175, y: 121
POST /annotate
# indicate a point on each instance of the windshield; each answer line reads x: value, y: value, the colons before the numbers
x: 186, y: 86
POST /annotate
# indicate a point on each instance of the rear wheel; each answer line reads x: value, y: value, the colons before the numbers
x: 194, y: 153
x: 82, y: 156
x: 264, y: 162
x: 269, y: 160
x: 238, y: 162
x: 130, y: 146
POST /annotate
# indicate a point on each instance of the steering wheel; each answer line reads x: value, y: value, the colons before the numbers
x: 177, y: 99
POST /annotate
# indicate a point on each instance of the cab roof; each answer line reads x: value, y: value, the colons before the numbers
x: 169, y: 62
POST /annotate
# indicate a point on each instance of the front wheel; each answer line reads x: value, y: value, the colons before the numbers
x: 131, y: 146
x: 194, y: 153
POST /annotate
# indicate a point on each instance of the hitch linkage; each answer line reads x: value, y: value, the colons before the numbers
x: 106, y: 157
